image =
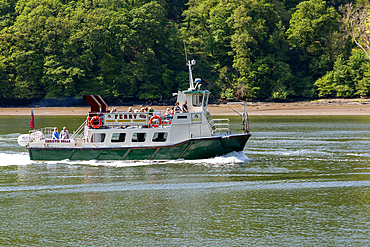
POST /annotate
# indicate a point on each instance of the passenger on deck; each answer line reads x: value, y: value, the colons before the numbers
x: 151, y: 111
x: 55, y: 134
x: 167, y: 114
x: 177, y: 107
x: 172, y: 111
x: 64, y: 134
x: 130, y: 109
x: 113, y: 110
x: 185, y: 106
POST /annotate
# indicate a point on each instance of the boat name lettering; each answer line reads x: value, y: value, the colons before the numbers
x: 57, y: 141
x: 126, y: 119
x: 127, y: 116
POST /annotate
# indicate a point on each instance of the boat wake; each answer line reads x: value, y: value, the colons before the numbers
x: 15, y: 159
x: 230, y: 158
x: 19, y: 159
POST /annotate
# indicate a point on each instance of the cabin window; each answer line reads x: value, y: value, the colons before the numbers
x: 97, y: 137
x: 159, y: 137
x: 138, y: 137
x: 197, y: 100
x: 118, y: 137
x: 182, y: 117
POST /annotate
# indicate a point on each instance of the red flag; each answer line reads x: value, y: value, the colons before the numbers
x: 32, y: 122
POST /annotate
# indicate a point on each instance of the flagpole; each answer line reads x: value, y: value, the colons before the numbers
x: 32, y: 121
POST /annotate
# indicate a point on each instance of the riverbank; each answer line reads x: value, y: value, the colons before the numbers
x: 318, y: 107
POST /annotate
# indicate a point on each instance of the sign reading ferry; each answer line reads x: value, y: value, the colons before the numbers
x: 113, y: 119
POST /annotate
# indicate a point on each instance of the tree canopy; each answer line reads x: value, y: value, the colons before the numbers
x: 133, y: 49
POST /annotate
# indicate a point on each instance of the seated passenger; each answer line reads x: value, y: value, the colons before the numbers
x: 185, y: 106
x: 55, y: 134
x: 64, y: 134
x: 167, y: 114
x: 150, y: 109
x: 177, y: 107
x: 113, y: 110
x: 130, y: 109
x: 172, y: 111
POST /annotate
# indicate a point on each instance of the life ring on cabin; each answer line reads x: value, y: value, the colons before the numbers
x: 155, y: 117
x: 95, y: 126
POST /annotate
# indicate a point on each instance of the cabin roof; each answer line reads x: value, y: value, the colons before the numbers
x: 197, y: 92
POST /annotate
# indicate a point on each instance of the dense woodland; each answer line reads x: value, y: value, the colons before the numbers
x: 127, y: 50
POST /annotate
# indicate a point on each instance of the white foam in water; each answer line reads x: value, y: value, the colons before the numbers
x: 8, y: 159
x: 361, y: 155
x: 288, y: 152
x: 230, y: 158
x: 111, y: 163
x: 11, y: 159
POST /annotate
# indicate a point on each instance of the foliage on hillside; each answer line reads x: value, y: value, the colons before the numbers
x: 134, y: 49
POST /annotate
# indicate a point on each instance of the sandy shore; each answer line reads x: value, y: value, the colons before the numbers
x: 318, y: 107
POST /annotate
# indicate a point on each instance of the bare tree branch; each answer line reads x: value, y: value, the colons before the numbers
x: 354, y: 24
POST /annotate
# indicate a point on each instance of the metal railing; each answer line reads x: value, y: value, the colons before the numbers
x: 243, y: 114
x: 39, y: 134
x: 79, y: 133
x: 220, y: 126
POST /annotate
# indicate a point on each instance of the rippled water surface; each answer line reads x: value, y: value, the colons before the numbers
x: 300, y: 181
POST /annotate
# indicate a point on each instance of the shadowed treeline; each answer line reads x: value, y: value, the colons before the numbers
x: 133, y: 50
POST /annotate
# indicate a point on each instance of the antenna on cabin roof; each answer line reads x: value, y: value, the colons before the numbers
x: 189, y: 64
x: 186, y: 54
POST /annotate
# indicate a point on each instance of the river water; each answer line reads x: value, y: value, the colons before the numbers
x: 300, y: 181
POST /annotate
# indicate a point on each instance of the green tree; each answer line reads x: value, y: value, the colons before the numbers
x: 258, y: 43
x: 312, y: 32
x: 347, y: 79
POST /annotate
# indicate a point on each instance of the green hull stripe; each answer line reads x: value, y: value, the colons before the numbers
x: 156, y: 151
x: 70, y: 155
x: 186, y: 149
x: 98, y: 154
x: 124, y: 156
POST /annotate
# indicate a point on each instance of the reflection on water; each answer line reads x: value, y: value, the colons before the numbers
x: 300, y: 181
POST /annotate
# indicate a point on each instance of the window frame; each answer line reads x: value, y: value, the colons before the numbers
x: 119, y: 137
x: 162, y: 140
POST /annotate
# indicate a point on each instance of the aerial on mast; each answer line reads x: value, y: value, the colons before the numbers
x: 189, y: 64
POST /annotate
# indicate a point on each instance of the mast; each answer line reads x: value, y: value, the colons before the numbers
x: 189, y: 64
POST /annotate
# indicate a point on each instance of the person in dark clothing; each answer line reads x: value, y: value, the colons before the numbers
x: 185, y: 106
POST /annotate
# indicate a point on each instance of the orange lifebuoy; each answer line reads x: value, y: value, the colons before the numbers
x: 94, y: 125
x: 155, y: 117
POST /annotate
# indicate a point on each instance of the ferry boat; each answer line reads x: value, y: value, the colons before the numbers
x: 109, y: 135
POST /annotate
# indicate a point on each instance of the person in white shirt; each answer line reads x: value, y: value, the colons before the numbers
x: 64, y: 134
